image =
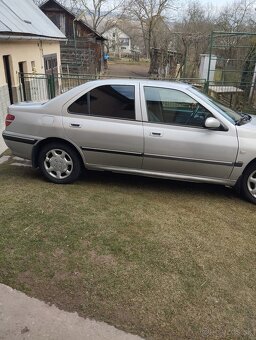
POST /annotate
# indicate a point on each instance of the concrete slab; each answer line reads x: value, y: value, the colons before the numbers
x: 4, y: 159
x: 22, y: 317
x: 3, y: 146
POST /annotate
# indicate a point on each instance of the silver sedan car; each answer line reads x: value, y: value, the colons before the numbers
x: 151, y: 128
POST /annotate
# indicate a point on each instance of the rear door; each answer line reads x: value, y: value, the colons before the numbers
x: 176, y: 140
x: 106, y: 124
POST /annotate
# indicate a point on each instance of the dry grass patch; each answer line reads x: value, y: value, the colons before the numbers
x: 163, y: 259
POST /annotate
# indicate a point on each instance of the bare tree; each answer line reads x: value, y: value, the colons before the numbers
x: 236, y: 16
x: 38, y: 2
x: 61, y: 2
x: 149, y: 13
x: 98, y: 11
x: 191, y: 36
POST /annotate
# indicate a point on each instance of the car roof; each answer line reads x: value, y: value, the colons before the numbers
x: 59, y: 100
x: 149, y: 82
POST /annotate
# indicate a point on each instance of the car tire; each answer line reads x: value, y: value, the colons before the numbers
x: 248, y: 183
x: 59, y: 163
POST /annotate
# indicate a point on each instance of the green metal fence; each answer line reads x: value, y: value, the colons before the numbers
x: 37, y: 87
x: 231, y: 75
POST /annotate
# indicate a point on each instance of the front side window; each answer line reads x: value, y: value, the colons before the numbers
x: 227, y: 112
x: 174, y: 107
x: 113, y: 101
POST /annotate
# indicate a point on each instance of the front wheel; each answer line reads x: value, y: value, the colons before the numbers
x: 249, y: 183
x: 59, y: 163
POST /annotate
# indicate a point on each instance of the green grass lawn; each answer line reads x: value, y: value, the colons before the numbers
x: 162, y: 259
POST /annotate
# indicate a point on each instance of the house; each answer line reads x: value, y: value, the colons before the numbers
x: 118, y: 42
x: 29, y: 43
x: 83, y: 52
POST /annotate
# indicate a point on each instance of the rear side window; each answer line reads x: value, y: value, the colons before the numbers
x: 80, y: 106
x: 113, y: 101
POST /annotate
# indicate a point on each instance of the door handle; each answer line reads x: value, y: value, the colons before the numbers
x: 156, y: 134
x: 75, y: 125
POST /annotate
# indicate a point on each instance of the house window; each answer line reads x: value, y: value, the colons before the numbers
x: 124, y: 41
x: 63, y: 23
x: 51, y: 63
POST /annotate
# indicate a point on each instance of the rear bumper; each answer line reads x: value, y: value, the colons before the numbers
x: 21, y: 146
x: 20, y: 139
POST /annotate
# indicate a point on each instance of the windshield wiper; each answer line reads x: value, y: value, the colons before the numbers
x: 244, y: 119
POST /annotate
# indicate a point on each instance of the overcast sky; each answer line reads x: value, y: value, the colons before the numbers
x: 216, y: 3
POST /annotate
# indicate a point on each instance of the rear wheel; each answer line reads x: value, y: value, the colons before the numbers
x: 59, y: 163
x: 248, y: 184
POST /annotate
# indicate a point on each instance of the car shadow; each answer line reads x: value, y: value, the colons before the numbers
x: 130, y: 182
x: 127, y: 181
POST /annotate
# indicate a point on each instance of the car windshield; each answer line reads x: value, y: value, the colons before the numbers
x: 227, y: 112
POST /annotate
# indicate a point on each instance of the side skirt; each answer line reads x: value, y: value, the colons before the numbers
x: 158, y: 174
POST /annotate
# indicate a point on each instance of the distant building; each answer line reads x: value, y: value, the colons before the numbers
x: 83, y: 52
x: 29, y: 43
x: 118, y: 42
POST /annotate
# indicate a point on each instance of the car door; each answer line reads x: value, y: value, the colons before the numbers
x: 105, y: 122
x: 176, y: 140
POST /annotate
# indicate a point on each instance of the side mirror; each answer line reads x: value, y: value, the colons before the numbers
x: 212, y: 123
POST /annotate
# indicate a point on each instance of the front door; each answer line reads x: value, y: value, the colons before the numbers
x: 106, y: 124
x: 177, y: 142
x: 22, y: 81
x: 51, y: 71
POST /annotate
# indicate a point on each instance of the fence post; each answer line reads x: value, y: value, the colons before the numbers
x: 51, y: 85
x: 209, y: 64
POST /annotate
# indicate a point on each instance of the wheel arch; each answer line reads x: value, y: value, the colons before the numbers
x: 38, y: 146
x: 253, y: 161
x: 238, y: 182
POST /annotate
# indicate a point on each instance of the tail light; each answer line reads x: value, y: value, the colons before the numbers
x: 9, y: 119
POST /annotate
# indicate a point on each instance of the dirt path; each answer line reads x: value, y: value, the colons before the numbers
x: 127, y: 70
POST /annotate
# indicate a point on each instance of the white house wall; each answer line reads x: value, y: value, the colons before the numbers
x: 119, y: 35
x: 21, y: 51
